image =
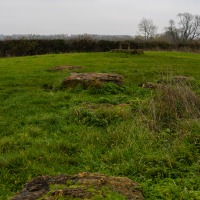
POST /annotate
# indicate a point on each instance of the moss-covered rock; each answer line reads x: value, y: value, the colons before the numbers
x: 80, y: 186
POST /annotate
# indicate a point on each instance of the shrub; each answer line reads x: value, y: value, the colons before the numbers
x: 170, y: 105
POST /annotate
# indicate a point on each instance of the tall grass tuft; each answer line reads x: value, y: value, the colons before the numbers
x: 170, y: 104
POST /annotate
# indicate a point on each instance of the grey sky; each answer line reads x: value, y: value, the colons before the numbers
x: 88, y: 16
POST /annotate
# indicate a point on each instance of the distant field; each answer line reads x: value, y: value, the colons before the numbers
x: 47, y: 130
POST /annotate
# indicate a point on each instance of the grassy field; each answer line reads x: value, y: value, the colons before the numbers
x: 112, y: 130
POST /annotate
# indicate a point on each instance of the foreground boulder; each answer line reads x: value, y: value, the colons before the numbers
x: 79, y: 186
x: 92, y: 79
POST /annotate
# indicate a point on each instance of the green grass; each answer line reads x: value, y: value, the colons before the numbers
x: 48, y: 132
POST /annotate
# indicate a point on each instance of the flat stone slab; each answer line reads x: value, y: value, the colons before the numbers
x: 79, y: 186
x: 92, y: 79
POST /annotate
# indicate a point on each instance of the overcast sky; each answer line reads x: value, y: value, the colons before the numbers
x: 113, y: 17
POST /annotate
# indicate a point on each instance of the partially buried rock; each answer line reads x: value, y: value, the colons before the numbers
x: 79, y: 186
x: 92, y: 79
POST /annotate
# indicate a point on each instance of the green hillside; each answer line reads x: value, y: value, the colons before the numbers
x: 148, y: 135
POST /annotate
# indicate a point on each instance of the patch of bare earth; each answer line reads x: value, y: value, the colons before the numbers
x: 62, y: 68
x: 78, y: 186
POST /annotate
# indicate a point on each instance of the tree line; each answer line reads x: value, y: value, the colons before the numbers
x: 37, y: 47
x: 182, y: 35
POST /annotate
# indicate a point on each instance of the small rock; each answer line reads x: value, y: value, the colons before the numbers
x: 148, y: 85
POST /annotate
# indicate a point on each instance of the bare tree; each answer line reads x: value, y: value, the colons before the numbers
x: 188, y: 27
x: 147, y: 28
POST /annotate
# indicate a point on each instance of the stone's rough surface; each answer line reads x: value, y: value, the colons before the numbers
x: 92, y: 79
x: 61, y: 68
x: 83, y: 186
x: 34, y: 189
